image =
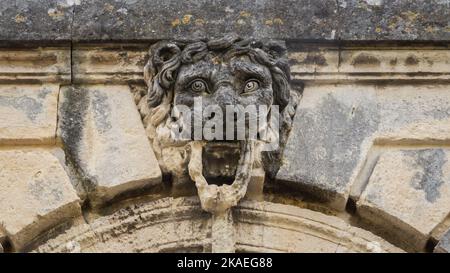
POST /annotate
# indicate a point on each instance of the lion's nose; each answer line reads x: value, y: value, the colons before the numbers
x: 225, y: 95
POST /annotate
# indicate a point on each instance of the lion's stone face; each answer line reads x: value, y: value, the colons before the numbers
x: 221, y: 74
x: 238, y: 81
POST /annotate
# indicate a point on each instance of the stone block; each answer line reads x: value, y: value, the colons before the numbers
x: 28, y: 114
x: 102, y: 133
x: 35, y: 194
x: 408, y: 193
x: 336, y: 125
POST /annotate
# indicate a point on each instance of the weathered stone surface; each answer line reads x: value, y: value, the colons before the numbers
x: 102, y: 133
x: 394, y: 20
x: 166, y: 19
x: 35, y: 194
x: 28, y: 114
x: 179, y: 225
x: 82, y: 20
x: 44, y: 20
x: 409, y: 192
x: 444, y: 244
x: 336, y: 125
x: 163, y: 225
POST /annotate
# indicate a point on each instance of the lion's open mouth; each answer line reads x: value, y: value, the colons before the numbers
x: 219, y: 159
x: 234, y: 177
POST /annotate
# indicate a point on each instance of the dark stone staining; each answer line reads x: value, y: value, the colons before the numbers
x: 30, y: 106
x: 365, y: 60
x: 393, y: 62
x: 325, y: 148
x: 411, y: 60
x: 429, y: 178
x: 73, y: 112
x: 315, y: 59
x: 101, y: 111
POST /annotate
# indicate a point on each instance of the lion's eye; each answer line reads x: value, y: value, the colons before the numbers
x: 199, y: 86
x: 250, y: 86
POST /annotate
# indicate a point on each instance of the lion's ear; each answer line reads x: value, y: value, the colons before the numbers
x: 160, y: 70
x: 162, y: 56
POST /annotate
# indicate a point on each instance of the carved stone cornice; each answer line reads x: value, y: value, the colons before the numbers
x: 109, y: 63
x: 114, y: 63
x: 333, y: 64
x: 318, y: 63
x: 35, y: 65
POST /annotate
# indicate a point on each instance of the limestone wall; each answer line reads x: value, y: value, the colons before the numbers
x: 367, y: 163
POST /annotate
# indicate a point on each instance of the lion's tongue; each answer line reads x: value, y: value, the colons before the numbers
x: 218, y: 199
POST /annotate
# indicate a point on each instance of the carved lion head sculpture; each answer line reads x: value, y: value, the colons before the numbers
x: 217, y: 73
